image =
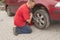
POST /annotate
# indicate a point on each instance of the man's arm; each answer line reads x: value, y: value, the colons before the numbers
x: 27, y: 16
x: 29, y: 20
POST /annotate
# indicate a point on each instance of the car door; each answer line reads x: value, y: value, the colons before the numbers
x: 12, y: 2
x: 20, y: 2
x: 25, y: 1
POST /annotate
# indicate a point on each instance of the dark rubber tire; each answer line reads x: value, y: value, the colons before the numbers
x: 9, y: 13
x: 41, y: 19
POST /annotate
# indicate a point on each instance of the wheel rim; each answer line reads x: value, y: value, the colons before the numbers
x: 39, y: 19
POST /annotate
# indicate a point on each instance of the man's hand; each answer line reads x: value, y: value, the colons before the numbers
x: 31, y: 15
x: 29, y: 20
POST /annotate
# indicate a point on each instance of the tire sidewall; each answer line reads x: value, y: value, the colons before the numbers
x: 43, y: 12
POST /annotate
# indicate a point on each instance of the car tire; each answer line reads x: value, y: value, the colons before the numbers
x: 41, y: 19
x: 9, y: 13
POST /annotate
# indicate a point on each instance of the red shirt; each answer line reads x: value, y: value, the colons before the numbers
x: 22, y: 14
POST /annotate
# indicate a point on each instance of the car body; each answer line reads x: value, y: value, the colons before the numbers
x: 52, y: 7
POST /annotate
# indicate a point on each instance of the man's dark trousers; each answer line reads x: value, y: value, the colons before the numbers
x: 24, y: 30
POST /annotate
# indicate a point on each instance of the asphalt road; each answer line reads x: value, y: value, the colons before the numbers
x: 6, y: 30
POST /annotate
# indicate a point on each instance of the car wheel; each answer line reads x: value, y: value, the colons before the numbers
x: 41, y: 19
x: 9, y: 13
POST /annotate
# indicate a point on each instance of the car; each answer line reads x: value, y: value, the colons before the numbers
x: 43, y: 12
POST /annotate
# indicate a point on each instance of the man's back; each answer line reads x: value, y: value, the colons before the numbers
x: 22, y: 15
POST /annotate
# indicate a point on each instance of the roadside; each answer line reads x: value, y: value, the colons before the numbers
x: 6, y: 30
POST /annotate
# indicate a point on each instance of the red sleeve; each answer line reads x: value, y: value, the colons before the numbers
x: 26, y: 15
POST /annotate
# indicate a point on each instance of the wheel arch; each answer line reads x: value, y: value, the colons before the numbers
x: 41, y: 6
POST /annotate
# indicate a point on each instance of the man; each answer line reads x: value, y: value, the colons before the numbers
x: 23, y: 17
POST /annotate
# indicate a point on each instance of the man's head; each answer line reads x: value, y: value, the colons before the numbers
x: 30, y: 3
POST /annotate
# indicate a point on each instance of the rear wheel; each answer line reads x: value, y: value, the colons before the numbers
x: 41, y: 19
x: 9, y: 13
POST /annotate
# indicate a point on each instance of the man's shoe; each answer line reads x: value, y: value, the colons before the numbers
x: 15, y: 31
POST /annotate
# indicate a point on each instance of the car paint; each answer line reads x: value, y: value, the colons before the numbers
x: 54, y: 12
